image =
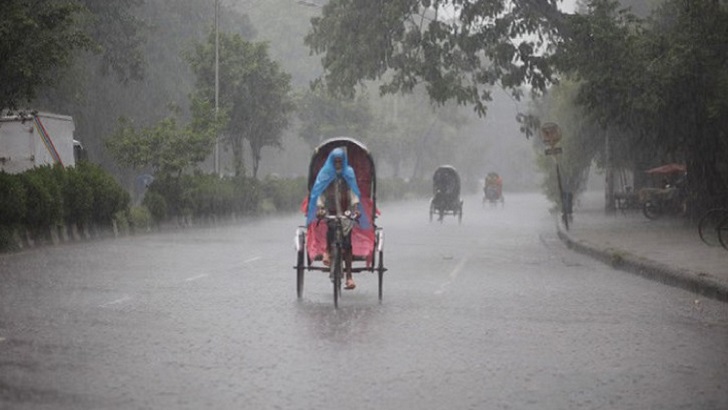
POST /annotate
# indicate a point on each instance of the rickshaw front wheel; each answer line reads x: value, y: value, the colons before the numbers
x: 299, y: 273
x: 380, y: 272
x: 336, y: 274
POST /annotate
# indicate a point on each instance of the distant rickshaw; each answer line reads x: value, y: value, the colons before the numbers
x: 446, y: 194
x: 493, y: 189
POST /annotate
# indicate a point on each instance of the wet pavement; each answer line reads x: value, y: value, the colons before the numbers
x: 491, y: 313
x: 668, y: 250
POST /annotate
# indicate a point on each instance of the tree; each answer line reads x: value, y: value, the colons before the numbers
x: 166, y: 148
x: 324, y: 116
x: 659, y: 84
x: 119, y: 36
x: 37, y: 38
x: 254, y: 91
x: 96, y: 94
x: 458, y: 58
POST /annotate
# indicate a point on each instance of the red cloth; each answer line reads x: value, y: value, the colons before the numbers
x: 362, y: 240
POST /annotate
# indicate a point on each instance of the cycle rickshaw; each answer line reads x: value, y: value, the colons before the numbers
x: 493, y: 189
x: 446, y: 193
x: 367, y: 242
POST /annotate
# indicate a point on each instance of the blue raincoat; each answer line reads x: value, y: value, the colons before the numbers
x: 326, y: 176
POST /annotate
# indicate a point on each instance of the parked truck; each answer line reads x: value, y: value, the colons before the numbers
x: 36, y: 139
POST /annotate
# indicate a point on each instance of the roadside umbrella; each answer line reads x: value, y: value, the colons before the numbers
x: 667, y: 169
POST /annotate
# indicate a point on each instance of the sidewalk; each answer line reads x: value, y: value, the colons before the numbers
x: 668, y: 250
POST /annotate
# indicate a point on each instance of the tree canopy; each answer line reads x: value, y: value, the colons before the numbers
x: 166, y: 148
x: 255, y: 92
x: 37, y: 38
x: 656, y: 83
x: 458, y: 49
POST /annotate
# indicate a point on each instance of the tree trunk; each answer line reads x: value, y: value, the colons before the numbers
x: 238, y: 161
x: 609, y: 206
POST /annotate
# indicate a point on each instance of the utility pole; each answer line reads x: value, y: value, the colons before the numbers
x: 217, y: 86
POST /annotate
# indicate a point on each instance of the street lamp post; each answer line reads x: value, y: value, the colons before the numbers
x: 217, y: 85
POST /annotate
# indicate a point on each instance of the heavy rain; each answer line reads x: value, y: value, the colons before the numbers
x: 317, y: 204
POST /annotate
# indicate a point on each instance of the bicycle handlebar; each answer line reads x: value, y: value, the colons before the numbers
x: 347, y: 215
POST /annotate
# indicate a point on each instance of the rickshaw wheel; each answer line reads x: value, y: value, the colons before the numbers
x: 651, y: 210
x: 380, y: 272
x: 336, y: 273
x: 299, y: 273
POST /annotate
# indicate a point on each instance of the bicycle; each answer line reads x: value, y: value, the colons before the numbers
x: 335, y: 268
x: 713, y: 227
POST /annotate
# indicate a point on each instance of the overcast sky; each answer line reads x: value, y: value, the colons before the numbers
x: 568, y: 5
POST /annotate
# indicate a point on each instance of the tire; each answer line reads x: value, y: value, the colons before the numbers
x: 380, y: 272
x: 299, y: 273
x: 336, y: 273
x: 652, y: 210
x: 460, y: 214
x: 708, y: 225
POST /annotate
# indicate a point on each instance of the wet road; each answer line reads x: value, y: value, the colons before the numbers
x: 491, y: 314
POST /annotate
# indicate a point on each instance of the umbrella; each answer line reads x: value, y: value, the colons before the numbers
x: 667, y: 169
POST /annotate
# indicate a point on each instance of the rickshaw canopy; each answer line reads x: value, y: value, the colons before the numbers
x: 446, y: 180
x: 667, y: 169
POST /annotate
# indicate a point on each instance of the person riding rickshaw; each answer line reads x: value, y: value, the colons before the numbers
x: 493, y: 189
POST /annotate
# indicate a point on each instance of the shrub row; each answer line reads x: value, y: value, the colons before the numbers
x: 52, y: 195
x: 87, y: 196
x: 201, y: 196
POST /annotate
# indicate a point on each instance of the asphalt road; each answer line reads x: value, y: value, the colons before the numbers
x: 493, y: 313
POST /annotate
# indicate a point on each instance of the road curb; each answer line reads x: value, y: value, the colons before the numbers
x: 698, y: 282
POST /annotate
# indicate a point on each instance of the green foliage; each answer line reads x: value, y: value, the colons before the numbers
x: 458, y: 57
x: 52, y: 195
x: 324, y: 116
x: 119, y: 36
x: 132, y: 38
x: 108, y: 196
x: 285, y: 195
x: 121, y: 219
x: 43, y: 200
x: 140, y: 219
x: 157, y: 206
x: 256, y: 93
x: 165, y: 147
x: 37, y: 38
x: 78, y: 197
x: 13, y: 200
x: 202, y: 196
x: 7, y: 239
x: 658, y: 86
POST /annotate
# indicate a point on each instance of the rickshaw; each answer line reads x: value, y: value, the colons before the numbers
x: 670, y: 197
x: 367, y: 242
x: 493, y: 189
x: 446, y: 194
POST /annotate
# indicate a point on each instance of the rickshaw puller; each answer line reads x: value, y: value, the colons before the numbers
x: 327, y: 183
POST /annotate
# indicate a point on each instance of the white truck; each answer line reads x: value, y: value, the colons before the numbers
x: 36, y: 139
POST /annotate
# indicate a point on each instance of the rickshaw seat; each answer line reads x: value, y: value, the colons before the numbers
x: 362, y: 240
